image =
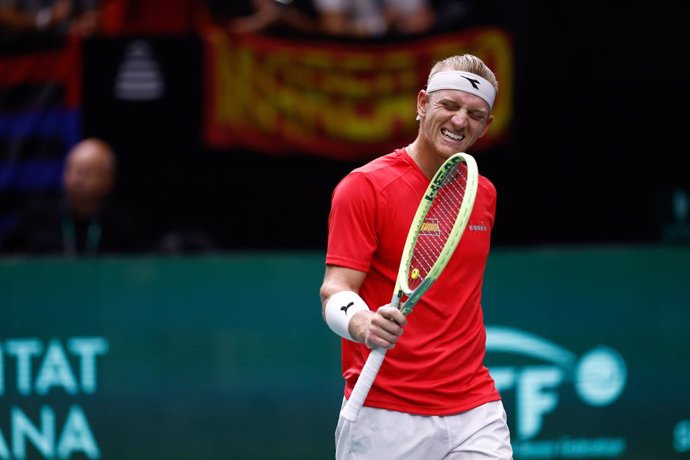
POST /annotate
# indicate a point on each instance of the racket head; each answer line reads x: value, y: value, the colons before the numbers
x: 437, y: 227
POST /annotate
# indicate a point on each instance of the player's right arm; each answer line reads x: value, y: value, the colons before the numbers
x: 375, y: 329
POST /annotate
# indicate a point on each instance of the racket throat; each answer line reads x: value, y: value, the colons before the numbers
x: 416, y: 295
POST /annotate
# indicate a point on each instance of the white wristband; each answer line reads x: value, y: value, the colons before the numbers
x: 340, y: 309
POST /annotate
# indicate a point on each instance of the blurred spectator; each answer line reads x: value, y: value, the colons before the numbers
x: 374, y: 18
x: 340, y: 18
x: 153, y: 17
x: 82, y: 220
x: 80, y: 17
x: 344, y: 18
x: 268, y: 16
x: 378, y: 18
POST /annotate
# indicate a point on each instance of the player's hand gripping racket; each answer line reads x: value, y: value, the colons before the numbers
x: 437, y: 227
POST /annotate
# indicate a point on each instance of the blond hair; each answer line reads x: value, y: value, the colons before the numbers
x: 466, y: 63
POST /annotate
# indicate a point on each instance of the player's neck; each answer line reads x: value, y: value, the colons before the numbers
x: 427, y: 163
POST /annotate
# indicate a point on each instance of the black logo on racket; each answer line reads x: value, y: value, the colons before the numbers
x: 346, y: 307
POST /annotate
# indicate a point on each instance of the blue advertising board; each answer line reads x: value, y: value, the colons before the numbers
x: 228, y: 357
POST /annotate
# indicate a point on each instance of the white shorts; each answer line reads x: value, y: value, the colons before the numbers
x: 478, y: 434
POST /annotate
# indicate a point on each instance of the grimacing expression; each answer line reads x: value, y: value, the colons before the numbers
x: 452, y: 121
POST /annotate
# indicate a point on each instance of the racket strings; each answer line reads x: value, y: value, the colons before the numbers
x: 437, y: 225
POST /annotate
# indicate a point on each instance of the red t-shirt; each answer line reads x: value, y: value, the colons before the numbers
x: 436, y: 367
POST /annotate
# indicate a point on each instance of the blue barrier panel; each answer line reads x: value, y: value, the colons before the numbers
x: 227, y: 356
x: 167, y: 359
x: 589, y: 350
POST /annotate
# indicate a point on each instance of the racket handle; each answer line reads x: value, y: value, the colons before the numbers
x: 361, y: 389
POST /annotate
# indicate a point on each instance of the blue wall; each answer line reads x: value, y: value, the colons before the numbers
x: 227, y: 357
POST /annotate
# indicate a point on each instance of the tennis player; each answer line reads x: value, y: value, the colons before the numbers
x: 433, y: 397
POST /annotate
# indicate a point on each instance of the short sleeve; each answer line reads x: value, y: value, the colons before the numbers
x: 352, y: 223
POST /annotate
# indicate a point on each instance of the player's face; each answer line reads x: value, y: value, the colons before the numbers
x: 452, y: 121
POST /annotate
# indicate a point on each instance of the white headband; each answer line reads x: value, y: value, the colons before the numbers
x: 463, y: 81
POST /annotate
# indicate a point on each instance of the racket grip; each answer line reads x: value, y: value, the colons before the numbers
x: 361, y: 389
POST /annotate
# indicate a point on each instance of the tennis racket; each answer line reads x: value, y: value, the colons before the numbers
x: 435, y: 232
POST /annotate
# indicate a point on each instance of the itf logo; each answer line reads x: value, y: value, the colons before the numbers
x: 598, y: 377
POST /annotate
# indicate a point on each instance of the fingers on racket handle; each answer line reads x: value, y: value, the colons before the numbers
x: 361, y: 389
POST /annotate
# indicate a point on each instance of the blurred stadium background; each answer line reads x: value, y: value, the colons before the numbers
x: 209, y: 343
